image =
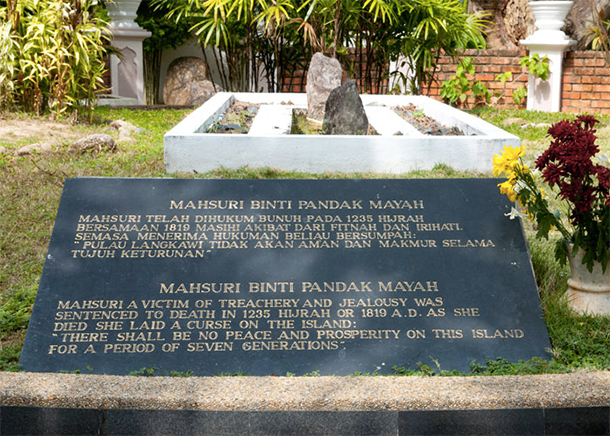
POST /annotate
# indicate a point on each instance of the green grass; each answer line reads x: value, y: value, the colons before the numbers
x: 30, y: 188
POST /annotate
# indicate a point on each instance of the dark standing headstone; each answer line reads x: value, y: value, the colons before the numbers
x: 324, y: 75
x: 274, y: 276
x: 344, y: 114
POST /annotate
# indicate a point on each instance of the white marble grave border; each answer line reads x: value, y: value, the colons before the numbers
x: 187, y: 149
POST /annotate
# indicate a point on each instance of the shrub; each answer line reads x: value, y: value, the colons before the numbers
x: 57, y: 49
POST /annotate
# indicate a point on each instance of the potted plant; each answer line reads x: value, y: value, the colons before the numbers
x: 569, y: 191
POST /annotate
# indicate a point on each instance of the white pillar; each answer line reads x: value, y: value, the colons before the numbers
x: 127, y: 71
x: 548, y: 40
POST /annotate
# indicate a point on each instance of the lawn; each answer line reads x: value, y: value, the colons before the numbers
x: 31, y: 185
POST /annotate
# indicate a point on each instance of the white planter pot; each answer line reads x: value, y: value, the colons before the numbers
x: 588, y: 292
x: 550, y: 17
x: 123, y: 13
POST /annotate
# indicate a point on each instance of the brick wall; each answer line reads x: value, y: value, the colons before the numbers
x: 586, y: 79
x: 585, y: 83
x: 489, y: 63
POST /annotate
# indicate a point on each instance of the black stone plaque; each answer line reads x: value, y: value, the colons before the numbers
x: 275, y: 276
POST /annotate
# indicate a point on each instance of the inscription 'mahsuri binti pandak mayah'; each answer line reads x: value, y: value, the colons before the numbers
x: 305, y: 286
x: 295, y: 204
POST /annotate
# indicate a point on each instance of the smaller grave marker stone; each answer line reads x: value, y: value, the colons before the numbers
x: 275, y: 276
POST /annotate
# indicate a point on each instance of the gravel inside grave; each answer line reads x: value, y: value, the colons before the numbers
x: 240, y: 115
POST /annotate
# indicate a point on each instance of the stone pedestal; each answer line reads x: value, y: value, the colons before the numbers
x: 548, y: 40
x: 127, y: 71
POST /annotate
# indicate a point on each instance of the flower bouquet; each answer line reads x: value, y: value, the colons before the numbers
x: 575, y: 199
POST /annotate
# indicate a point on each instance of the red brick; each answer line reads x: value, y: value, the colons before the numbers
x: 569, y: 109
x: 570, y: 78
x: 582, y: 88
x: 599, y: 62
x: 567, y: 70
x: 581, y: 103
x: 600, y: 104
x: 568, y: 63
x: 513, y: 85
x: 601, y: 88
x: 515, y: 69
x: 496, y: 85
x: 591, y: 79
x: 571, y: 95
x: 567, y: 87
x: 584, y: 71
x: 486, y: 77
x: 508, y: 53
x: 589, y: 96
x: 604, y: 96
x: 601, y: 71
x: 493, y: 69
x: 483, y: 60
x: 500, y: 61
x: 606, y: 80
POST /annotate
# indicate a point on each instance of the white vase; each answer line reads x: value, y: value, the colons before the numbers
x: 123, y: 13
x: 588, y: 292
x: 550, y: 17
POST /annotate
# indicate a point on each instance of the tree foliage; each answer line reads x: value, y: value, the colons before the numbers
x: 251, y: 39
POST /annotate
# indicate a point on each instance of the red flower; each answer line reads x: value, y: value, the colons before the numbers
x: 568, y: 164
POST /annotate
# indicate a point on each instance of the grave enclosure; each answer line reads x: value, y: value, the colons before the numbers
x: 398, y: 148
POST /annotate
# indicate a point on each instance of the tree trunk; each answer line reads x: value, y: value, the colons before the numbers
x: 509, y: 21
x: 581, y: 18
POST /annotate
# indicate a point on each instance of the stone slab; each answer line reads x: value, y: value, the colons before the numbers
x: 388, y: 123
x: 266, y: 277
x: 188, y: 149
x: 272, y: 120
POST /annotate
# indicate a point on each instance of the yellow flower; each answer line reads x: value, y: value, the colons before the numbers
x: 507, y: 188
x: 523, y: 169
x: 513, y: 153
x: 505, y: 163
